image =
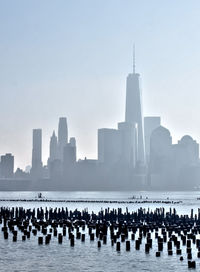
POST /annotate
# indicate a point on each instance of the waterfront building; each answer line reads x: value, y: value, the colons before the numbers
x: 109, y: 146
x: 62, y: 136
x: 7, y: 166
x: 134, y: 114
x: 36, y: 170
x: 150, y: 123
x: 53, y: 149
x: 129, y: 143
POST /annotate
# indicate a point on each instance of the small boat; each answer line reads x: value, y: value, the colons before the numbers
x: 40, y: 195
x: 133, y: 197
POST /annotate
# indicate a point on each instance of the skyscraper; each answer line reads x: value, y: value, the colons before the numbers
x: 150, y: 123
x: 7, y: 166
x: 72, y: 141
x: 160, y: 149
x: 129, y: 145
x: 53, y: 149
x: 37, y: 153
x: 109, y: 146
x: 134, y: 113
x: 187, y: 151
x: 69, y: 155
x: 62, y: 136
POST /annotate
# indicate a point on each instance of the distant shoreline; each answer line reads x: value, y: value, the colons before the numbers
x: 95, y: 201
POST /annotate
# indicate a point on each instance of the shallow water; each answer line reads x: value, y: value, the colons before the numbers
x: 29, y: 256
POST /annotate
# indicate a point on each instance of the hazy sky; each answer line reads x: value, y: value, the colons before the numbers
x: 71, y: 58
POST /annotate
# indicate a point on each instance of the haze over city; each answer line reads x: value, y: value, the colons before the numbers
x: 99, y: 135
x: 55, y: 62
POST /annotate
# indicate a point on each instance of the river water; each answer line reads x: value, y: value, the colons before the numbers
x: 29, y: 256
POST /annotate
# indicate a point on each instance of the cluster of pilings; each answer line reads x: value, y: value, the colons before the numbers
x: 166, y: 232
x: 146, y: 201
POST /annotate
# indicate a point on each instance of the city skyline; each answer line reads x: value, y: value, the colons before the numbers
x: 99, y: 135
x: 133, y: 80
x: 50, y: 58
x: 139, y: 152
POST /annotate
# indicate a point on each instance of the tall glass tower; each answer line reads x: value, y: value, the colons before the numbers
x: 134, y: 114
x: 36, y: 170
x: 62, y: 136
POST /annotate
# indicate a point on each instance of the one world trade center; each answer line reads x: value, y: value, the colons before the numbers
x: 134, y: 114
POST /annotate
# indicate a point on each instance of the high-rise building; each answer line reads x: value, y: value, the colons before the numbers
x: 160, y: 149
x: 160, y: 163
x: 69, y: 157
x: 53, y: 149
x: 150, y: 123
x: 186, y: 151
x: 37, y: 153
x: 185, y: 160
x: 62, y: 136
x: 55, y: 170
x: 129, y: 144
x: 72, y: 141
x: 109, y: 146
x: 134, y: 114
x: 7, y: 166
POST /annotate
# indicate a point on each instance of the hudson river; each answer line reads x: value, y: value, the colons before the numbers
x: 29, y: 256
